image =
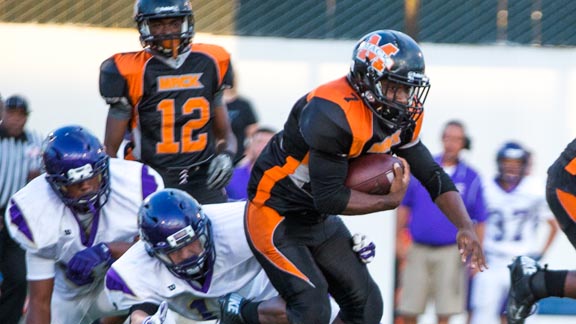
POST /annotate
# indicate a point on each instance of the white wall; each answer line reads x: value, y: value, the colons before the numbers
x: 500, y: 92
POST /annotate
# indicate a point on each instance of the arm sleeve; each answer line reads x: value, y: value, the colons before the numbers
x: 327, y: 175
x: 325, y: 128
x: 39, y: 268
x: 426, y: 170
x: 326, y: 131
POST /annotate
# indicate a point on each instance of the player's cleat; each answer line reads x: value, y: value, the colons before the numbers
x: 230, y: 308
x: 521, y: 300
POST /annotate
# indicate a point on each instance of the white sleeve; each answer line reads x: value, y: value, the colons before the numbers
x: 39, y: 268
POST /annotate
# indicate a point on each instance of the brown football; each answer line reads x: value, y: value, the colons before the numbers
x: 372, y: 173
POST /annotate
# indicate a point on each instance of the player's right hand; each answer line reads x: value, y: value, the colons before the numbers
x: 159, y: 317
x: 401, y: 179
x: 80, y: 269
x: 220, y: 171
x: 364, y: 247
x: 470, y: 248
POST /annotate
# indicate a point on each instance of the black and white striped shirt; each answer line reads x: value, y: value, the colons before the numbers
x: 18, y: 156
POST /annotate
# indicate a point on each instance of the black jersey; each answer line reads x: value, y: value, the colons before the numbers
x: 332, y: 125
x: 173, y: 108
x: 565, y: 179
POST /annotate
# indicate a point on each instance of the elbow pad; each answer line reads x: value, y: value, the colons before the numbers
x: 438, y: 184
x: 426, y: 170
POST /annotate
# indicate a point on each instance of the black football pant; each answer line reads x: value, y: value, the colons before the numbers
x: 308, y: 262
x: 13, y: 288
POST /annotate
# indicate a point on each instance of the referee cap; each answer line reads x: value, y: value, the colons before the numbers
x: 16, y: 101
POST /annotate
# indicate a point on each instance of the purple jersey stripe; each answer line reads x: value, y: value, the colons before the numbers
x: 149, y: 184
x: 114, y: 282
x: 17, y: 219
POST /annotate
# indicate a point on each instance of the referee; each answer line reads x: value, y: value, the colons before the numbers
x: 19, y: 163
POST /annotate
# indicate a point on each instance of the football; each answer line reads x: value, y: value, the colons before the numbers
x: 372, y: 173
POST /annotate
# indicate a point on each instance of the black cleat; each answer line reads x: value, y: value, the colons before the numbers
x: 521, y: 300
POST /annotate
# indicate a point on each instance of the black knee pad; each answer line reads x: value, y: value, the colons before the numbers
x: 310, y: 307
x: 363, y: 307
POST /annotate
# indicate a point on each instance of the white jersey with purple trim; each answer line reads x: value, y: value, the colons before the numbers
x: 137, y: 277
x: 511, y: 229
x: 513, y: 218
x: 50, y: 233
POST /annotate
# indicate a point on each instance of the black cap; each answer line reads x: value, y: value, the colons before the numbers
x: 16, y: 102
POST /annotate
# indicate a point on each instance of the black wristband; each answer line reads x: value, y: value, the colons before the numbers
x: 249, y: 312
x: 148, y: 308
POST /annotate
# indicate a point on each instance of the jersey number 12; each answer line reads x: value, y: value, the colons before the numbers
x: 186, y: 144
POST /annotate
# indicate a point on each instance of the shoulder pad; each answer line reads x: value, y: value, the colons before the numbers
x: 324, y: 127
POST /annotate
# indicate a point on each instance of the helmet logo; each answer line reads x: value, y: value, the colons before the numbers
x: 380, y: 57
x: 81, y: 173
x: 168, y: 9
x: 182, y: 236
x: 416, y: 76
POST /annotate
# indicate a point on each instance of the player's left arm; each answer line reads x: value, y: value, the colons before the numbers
x: 225, y: 139
x: 40, y: 297
x: 445, y: 195
x: 117, y: 249
x: 221, y: 167
x: 235, y: 309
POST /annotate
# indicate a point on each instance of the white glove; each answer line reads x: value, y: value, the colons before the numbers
x: 220, y: 171
x: 159, y: 316
x: 364, y: 247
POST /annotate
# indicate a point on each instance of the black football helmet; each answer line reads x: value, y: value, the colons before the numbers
x: 169, y: 220
x: 166, y: 44
x: 71, y: 154
x: 384, y: 62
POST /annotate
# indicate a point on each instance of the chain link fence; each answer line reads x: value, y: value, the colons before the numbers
x: 537, y: 22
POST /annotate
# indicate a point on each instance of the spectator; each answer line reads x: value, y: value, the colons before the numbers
x: 73, y: 221
x: 433, y: 270
x: 530, y: 281
x: 170, y: 94
x: 296, y: 187
x: 516, y: 207
x: 237, y: 188
x: 19, y: 163
x: 243, y: 118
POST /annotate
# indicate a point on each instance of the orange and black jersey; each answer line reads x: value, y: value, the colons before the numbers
x: 302, y: 170
x: 173, y: 107
x: 564, y: 169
